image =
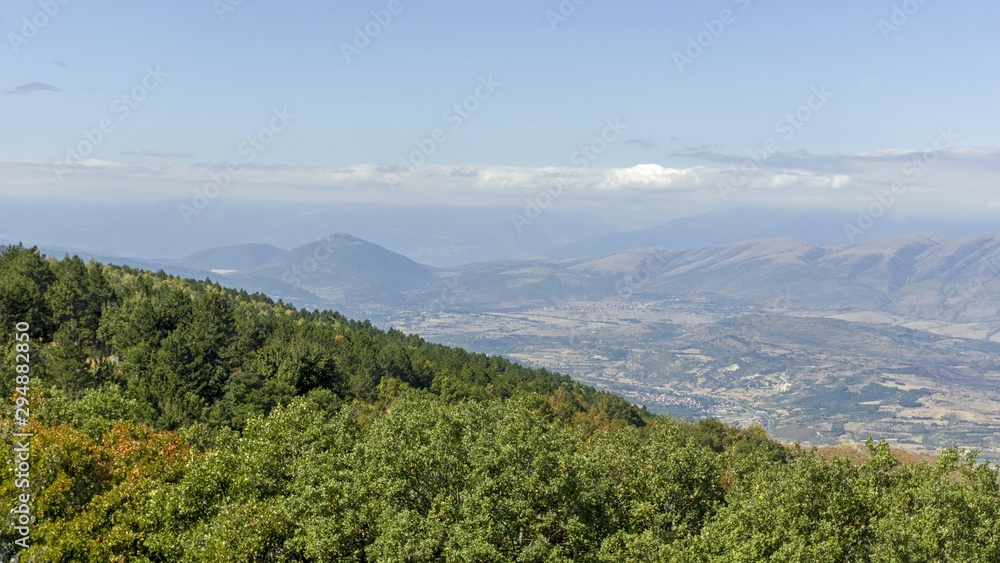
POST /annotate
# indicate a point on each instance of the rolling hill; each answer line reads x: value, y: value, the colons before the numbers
x: 345, y: 270
x: 238, y: 258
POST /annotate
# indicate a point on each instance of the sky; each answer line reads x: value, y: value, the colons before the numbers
x: 639, y: 111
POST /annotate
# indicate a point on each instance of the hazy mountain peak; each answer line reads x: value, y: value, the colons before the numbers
x: 347, y: 270
x: 345, y: 238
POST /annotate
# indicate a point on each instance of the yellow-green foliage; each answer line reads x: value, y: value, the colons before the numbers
x: 177, y: 421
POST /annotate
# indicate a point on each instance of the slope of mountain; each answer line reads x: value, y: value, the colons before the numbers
x: 885, y: 264
x: 174, y: 421
x: 346, y: 270
x: 689, y: 323
x: 238, y: 258
x: 916, y: 276
x: 274, y: 288
x: 910, y: 278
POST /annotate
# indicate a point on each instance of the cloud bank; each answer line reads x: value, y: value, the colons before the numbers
x: 952, y: 180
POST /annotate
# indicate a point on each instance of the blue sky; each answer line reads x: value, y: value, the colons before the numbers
x: 892, y: 89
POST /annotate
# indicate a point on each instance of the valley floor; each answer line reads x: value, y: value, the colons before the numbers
x: 813, y: 377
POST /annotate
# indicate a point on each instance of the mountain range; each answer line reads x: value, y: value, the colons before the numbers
x: 921, y: 279
x: 436, y: 235
x: 897, y: 337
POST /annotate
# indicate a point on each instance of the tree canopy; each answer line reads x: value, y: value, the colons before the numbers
x: 175, y: 420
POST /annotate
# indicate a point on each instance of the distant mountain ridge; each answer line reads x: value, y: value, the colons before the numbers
x: 921, y: 276
x: 439, y: 235
x: 345, y: 269
x: 726, y: 225
x: 805, y: 334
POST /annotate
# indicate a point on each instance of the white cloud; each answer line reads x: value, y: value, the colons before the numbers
x: 960, y: 180
x: 649, y: 176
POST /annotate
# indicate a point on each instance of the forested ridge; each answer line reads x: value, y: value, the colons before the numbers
x: 174, y: 420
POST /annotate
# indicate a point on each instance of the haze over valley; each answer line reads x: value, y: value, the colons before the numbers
x: 546, y: 280
x: 897, y: 337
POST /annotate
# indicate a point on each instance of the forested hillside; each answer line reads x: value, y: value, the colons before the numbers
x: 174, y: 420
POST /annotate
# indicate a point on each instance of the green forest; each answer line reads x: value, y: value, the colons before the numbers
x: 173, y: 420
